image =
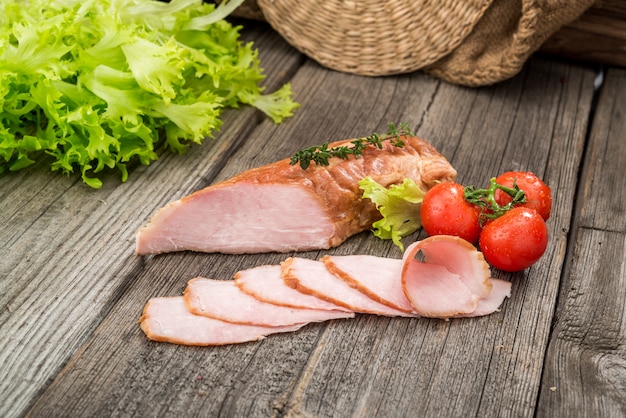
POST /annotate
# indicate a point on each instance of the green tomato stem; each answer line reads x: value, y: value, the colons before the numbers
x: 485, y: 199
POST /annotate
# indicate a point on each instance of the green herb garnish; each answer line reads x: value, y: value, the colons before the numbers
x: 320, y: 154
x: 100, y: 84
x: 399, y: 206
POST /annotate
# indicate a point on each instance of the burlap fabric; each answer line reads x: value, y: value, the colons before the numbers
x: 467, y: 42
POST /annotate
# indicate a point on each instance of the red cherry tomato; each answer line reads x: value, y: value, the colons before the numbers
x: 444, y: 211
x: 538, y: 194
x: 514, y: 241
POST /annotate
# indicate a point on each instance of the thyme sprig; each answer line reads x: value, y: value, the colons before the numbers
x: 321, y: 154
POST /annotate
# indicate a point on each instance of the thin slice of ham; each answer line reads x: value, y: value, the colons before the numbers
x: 458, y: 257
x: 223, y: 300
x: 377, y: 277
x: 440, y: 277
x: 500, y: 290
x: 435, y: 292
x: 312, y: 277
x: 167, y: 319
x: 281, y: 207
x: 266, y: 284
x: 452, y: 279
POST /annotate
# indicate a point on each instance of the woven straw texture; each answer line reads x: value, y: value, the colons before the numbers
x: 468, y: 42
x: 508, y: 33
x: 374, y: 37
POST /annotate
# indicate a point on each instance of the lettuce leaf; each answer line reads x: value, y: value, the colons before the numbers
x: 399, y: 205
x: 100, y: 84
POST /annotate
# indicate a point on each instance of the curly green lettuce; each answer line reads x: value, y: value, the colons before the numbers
x: 99, y: 84
x: 399, y: 206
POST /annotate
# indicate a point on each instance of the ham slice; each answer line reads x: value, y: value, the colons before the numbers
x: 312, y: 277
x: 281, y: 207
x: 266, y: 284
x: 435, y: 292
x: 452, y: 279
x: 501, y: 289
x: 223, y: 300
x: 377, y: 277
x: 438, y: 277
x: 167, y: 319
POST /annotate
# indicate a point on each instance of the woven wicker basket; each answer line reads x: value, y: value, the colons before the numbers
x: 468, y: 42
x: 374, y: 37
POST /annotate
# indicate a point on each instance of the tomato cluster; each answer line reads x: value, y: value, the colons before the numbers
x: 507, y: 220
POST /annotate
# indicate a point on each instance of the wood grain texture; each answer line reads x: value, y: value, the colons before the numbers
x: 471, y: 127
x: 598, y: 36
x: 603, y: 193
x: 369, y: 365
x: 72, y: 288
x: 585, y: 371
x: 66, y: 253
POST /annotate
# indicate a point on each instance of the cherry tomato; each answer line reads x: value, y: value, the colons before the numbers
x: 444, y: 211
x: 514, y: 241
x: 538, y: 194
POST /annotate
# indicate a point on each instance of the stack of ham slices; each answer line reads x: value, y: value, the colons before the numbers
x: 438, y: 277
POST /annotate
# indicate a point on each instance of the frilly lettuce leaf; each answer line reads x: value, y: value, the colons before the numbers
x: 399, y: 205
x: 97, y: 84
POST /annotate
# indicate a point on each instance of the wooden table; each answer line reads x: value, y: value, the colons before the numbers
x: 72, y: 289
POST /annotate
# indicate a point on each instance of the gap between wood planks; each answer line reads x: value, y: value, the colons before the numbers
x: 577, y: 208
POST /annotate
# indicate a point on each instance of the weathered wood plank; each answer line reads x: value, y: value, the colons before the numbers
x: 533, y: 122
x: 66, y: 251
x: 167, y: 274
x: 370, y: 365
x: 603, y: 197
x: 597, y: 36
x: 585, y: 372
